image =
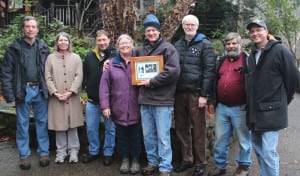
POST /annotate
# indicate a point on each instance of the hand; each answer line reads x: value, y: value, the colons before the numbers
x: 145, y: 83
x: 202, y: 101
x: 211, y: 109
x: 67, y: 95
x: 63, y: 97
x: 106, y: 112
x: 13, y: 103
x: 83, y: 102
x: 59, y: 96
x: 105, y: 65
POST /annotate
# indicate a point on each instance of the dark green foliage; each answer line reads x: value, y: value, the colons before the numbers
x: 47, y: 32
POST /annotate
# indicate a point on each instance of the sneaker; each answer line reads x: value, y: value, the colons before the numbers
x: 217, y: 172
x: 44, y: 161
x: 242, y: 170
x: 135, y: 167
x: 73, y: 157
x: 59, y: 159
x: 124, y: 169
x: 149, y: 170
x: 24, y: 163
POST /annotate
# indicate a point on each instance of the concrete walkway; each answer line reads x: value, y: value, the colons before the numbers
x: 288, y: 148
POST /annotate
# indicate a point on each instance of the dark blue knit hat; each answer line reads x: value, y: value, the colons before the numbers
x: 151, y: 20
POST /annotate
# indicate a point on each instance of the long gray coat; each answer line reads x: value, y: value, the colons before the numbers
x: 64, y: 74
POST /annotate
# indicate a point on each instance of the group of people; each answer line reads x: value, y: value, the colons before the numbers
x: 191, y: 80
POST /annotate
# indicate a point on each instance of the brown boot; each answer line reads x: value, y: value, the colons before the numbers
x: 242, y: 170
x: 150, y: 169
x: 25, y: 164
x: 44, y: 161
x: 217, y: 172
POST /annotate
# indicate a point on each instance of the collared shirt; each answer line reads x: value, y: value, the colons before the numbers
x: 231, y: 84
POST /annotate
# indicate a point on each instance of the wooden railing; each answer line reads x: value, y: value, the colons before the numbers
x: 69, y: 15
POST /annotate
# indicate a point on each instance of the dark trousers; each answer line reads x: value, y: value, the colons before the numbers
x: 190, y: 127
x: 129, y: 140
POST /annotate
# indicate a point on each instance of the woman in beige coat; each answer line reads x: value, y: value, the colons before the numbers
x: 64, y: 77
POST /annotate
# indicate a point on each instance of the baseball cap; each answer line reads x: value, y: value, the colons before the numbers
x: 257, y: 22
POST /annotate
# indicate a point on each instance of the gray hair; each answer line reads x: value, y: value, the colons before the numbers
x: 190, y: 17
x: 234, y: 35
x: 126, y: 36
x: 28, y: 18
x: 64, y: 34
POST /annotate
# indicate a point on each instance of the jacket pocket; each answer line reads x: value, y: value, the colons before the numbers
x: 269, y: 106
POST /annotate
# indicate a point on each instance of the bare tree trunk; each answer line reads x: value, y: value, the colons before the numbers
x: 172, y: 22
x: 119, y: 17
x: 85, y: 6
x: 240, y: 16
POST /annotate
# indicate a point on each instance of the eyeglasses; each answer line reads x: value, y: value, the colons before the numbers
x: 189, y: 25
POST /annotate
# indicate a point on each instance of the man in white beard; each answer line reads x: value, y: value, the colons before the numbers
x: 230, y: 110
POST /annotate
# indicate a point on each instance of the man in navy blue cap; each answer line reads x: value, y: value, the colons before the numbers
x: 156, y: 98
x: 267, y: 113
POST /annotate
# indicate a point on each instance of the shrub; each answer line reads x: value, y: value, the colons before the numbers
x: 47, y: 32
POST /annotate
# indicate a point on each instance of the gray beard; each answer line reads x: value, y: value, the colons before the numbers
x: 233, y: 53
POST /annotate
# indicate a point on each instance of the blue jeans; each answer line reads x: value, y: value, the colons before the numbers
x: 156, y: 124
x: 230, y: 119
x: 265, y: 145
x: 129, y: 140
x: 93, y: 116
x: 39, y: 105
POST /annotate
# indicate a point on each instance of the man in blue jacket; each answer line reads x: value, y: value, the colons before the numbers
x: 23, y: 85
x: 270, y: 84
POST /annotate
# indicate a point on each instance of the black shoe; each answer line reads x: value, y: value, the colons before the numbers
x: 199, y: 171
x: 44, y: 161
x: 183, y: 167
x: 107, y: 160
x: 89, y: 158
x: 25, y: 164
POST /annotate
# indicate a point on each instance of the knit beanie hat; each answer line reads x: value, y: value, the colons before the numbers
x: 151, y: 20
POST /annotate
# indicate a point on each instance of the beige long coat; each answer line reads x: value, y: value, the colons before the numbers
x: 64, y: 74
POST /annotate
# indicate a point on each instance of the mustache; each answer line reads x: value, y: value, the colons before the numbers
x: 233, y: 53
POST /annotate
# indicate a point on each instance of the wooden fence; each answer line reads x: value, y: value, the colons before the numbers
x: 68, y: 14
